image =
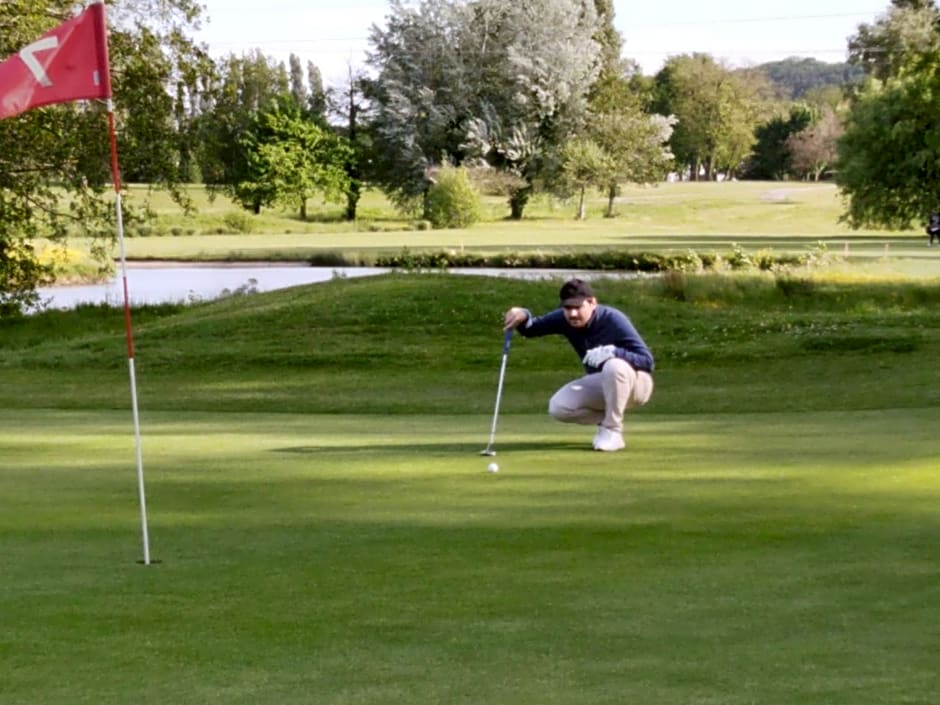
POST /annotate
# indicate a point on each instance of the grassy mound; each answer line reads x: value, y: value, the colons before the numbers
x: 418, y: 343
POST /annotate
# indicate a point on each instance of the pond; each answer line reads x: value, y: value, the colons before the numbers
x: 155, y: 283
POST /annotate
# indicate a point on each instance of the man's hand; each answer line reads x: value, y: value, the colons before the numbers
x: 514, y: 317
x: 596, y: 357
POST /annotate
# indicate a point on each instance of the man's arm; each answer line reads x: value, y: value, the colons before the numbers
x: 529, y: 326
x: 629, y: 345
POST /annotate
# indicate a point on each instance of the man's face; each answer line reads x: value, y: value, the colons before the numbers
x: 579, y: 316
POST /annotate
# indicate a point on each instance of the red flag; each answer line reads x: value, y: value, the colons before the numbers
x: 67, y: 63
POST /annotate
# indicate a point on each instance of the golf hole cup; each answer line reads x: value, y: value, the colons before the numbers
x: 492, y: 467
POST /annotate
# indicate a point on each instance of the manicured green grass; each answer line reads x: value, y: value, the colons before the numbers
x: 776, y: 558
x: 326, y: 531
x: 702, y: 208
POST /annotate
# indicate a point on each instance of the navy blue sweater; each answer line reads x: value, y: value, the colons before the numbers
x: 607, y: 326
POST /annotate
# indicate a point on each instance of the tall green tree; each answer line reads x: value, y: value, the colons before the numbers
x: 291, y: 158
x: 583, y: 164
x: 348, y: 104
x: 889, y: 157
x: 903, y: 39
x: 242, y: 89
x: 770, y: 156
x: 636, y: 145
x: 317, y: 100
x: 716, y: 110
x: 54, y: 161
x: 299, y: 88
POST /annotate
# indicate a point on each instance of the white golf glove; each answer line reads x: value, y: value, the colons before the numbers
x: 595, y: 357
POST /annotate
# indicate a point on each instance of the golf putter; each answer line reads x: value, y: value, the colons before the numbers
x: 499, y: 393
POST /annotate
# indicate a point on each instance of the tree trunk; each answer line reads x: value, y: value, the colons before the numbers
x: 581, y: 204
x: 352, y: 167
x: 518, y: 200
x: 611, y: 195
x: 352, y: 200
x: 303, y: 209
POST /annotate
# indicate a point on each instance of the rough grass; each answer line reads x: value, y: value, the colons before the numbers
x: 393, y: 336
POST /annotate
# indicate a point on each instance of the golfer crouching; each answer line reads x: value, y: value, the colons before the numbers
x: 618, y: 364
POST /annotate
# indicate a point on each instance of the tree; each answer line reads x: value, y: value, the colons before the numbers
x: 633, y: 140
x: 771, y: 155
x: 716, y: 111
x: 299, y: 88
x: 291, y: 158
x: 796, y: 76
x: 636, y: 146
x: 347, y: 102
x: 813, y: 149
x: 824, y: 97
x: 888, y: 164
x: 54, y: 161
x: 889, y: 157
x: 583, y: 163
x: 904, y: 38
x: 317, y: 98
x: 242, y: 88
x: 496, y: 81
x: 744, y: 104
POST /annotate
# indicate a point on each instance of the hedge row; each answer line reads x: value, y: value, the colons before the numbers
x: 606, y: 260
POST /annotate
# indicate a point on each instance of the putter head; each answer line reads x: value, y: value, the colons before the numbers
x: 488, y: 451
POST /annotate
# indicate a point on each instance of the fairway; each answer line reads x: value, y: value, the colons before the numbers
x: 773, y: 558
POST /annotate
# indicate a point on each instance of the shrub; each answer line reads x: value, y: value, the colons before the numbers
x: 795, y: 286
x: 238, y: 222
x: 494, y: 182
x: 673, y: 284
x: 599, y: 260
x: 21, y: 271
x: 452, y: 202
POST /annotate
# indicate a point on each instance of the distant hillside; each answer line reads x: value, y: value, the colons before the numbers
x: 797, y: 75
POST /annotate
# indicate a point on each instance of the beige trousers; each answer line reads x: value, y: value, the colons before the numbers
x: 602, y: 397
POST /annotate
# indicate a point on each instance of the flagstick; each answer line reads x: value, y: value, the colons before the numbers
x: 129, y: 333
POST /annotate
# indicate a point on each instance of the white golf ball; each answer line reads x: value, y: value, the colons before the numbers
x: 492, y: 467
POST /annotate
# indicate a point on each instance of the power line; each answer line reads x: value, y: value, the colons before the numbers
x: 627, y: 50
x: 362, y: 39
x: 663, y: 25
x: 743, y: 20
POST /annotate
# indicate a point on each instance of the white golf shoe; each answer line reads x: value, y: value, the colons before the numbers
x: 607, y: 440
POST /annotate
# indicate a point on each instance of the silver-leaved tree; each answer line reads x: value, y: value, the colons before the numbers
x: 493, y: 82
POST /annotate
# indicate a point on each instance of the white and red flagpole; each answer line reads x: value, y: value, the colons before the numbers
x: 70, y: 62
x: 97, y: 6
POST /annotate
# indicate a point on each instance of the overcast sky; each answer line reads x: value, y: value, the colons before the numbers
x: 333, y: 33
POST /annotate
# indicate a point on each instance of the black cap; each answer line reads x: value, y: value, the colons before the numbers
x: 574, y: 292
